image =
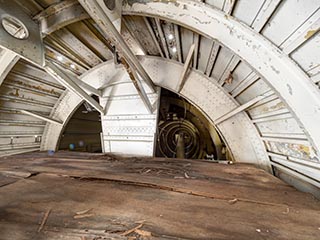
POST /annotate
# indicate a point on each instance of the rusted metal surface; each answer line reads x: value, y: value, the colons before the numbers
x: 107, y: 26
x: 60, y: 15
x: 30, y: 47
x: 138, y: 85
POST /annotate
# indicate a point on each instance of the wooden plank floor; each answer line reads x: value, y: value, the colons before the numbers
x: 91, y: 196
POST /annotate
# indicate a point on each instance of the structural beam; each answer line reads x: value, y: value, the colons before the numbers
x: 101, y: 18
x: 240, y: 109
x: 247, y: 82
x: 44, y: 118
x: 67, y: 81
x: 86, y: 86
x: 212, y: 58
x: 60, y: 15
x: 295, y: 173
x: 154, y: 38
x: 178, y: 42
x: 197, y: 90
x: 302, y: 162
x: 276, y: 68
x: 138, y: 85
x: 186, y: 67
x: 26, y: 39
x: 229, y: 6
x: 302, y: 34
x: 235, y: 60
x: 267, y: 9
x: 196, y: 41
x: 128, y: 30
x: 108, y: 102
x: 7, y: 60
x: 316, y: 78
x: 162, y: 38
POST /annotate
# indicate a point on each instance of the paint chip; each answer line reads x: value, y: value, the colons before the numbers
x: 310, y: 33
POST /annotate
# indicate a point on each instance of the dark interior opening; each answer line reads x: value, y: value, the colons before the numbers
x: 82, y: 133
x: 184, y: 132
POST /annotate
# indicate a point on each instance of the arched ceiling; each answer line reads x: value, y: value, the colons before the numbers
x: 245, y: 145
x: 247, y: 48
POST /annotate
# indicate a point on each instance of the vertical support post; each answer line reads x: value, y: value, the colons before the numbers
x: 186, y: 67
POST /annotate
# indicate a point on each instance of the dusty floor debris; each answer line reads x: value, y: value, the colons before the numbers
x: 99, y: 197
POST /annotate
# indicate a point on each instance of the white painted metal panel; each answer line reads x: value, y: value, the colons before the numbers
x: 301, y: 168
x: 216, y: 3
x: 7, y: 60
x: 127, y: 126
x: 267, y: 107
x: 280, y: 27
x: 77, y: 46
x: 285, y: 126
x: 266, y: 11
x: 258, y: 88
x: 308, y: 56
x: 222, y: 61
x: 240, y: 73
x: 239, y: 133
x: 306, y: 31
x: 29, y: 45
x: 204, y: 53
x: 187, y: 37
x: 246, y: 10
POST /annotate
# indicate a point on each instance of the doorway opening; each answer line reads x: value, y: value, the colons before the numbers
x: 184, y: 132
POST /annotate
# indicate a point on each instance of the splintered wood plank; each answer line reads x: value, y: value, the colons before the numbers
x: 94, y: 195
x: 117, y: 208
x: 241, y: 181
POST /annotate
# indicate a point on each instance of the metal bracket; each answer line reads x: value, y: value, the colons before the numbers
x: 28, y: 45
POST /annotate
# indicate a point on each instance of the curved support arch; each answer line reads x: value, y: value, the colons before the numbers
x: 64, y: 108
x: 279, y: 71
x: 7, y: 61
x: 239, y: 133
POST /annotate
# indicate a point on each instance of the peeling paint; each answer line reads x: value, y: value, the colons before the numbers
x: 310, y: 33
x: 294, y: 150
x: 131, y: 2
x: 275, y: 107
